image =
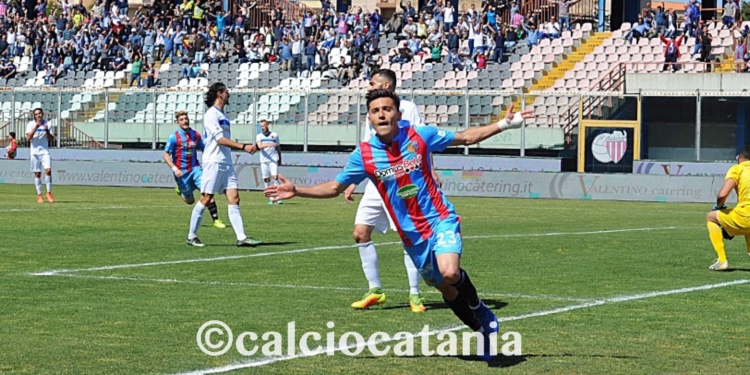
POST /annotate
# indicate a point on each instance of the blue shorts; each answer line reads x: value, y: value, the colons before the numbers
x: 445, y: 239
x: 189, y: 182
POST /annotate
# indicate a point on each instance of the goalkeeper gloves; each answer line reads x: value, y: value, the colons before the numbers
x: 716, y: 207
x: 515, y: 123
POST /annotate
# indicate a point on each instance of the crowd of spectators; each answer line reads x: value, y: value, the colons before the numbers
x: 60, y: 38
x: 663, y: 23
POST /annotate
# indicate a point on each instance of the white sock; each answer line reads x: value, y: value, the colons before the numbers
x: 413, y: 273
x: 48, y: 180
x: 369, y: 258
x: 195, y: 219
x: 236, y: 219
x: 38, y: 184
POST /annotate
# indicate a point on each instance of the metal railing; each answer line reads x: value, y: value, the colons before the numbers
x: 309, y: 119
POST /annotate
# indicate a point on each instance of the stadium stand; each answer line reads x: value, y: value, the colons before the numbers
x: 279, y: 49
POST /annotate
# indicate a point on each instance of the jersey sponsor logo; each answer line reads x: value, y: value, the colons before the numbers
x: 408, y: 191
x: 400, y: 169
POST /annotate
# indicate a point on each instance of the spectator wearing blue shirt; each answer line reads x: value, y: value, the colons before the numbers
x: 638, y: 31
x: 492, y: 18
x: 375, y: 21
x: 534, y: 35
x: 310, y: 51
x: 285, y: 54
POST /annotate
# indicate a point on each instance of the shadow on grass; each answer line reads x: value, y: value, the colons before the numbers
x: 738, y: 270
x: 264, y: 244
x: 502, y: 361
x: 491, y: 303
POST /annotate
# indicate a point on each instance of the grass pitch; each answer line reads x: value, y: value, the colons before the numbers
x: 102, y: 282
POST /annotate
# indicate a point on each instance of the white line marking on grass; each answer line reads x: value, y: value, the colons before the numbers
x: 269, y: 360
x: 232, y: 257
x: 313, y: 287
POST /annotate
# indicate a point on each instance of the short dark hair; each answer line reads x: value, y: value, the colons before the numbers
x: 12, y: 134
x: 389, y: 76
x: 745, y: 152
x: 381, y: 93
x: 38, y: 109
x: 213, y: 92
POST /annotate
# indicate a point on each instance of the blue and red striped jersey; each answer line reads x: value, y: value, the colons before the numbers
x: 183, y: 146
x: 402, y: 173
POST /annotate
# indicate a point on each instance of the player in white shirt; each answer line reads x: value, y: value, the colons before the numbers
x: 372, y: 214
x: 218, y: 172
x: 40, y: 134
x: 270, y: 157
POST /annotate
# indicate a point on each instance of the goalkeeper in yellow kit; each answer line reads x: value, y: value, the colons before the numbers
x: 726, y: 222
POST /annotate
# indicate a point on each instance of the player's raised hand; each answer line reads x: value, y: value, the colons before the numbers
x: 286, y: 190
x: 348, y: 193
x: 514, y: 120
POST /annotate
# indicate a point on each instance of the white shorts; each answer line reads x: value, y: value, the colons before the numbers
x: 218, y: 177
x: 39, y: 162
x: 269, y: 168
x: 372, y: 211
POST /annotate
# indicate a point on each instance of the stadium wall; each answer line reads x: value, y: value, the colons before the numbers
x: 635, y: 83
x: 630, y: 187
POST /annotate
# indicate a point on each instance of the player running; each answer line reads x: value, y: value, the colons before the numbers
x: 41, y: 133
x: 371, y: 212
x: 181, y: 154
x: 218, y: 172
x: 397, y: 162
x: 270, y: 156
x: 726, y: 222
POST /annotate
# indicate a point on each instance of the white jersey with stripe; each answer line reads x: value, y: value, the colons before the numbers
x: 268, y: 154
x: 39, y: 142
x: 216, y: 126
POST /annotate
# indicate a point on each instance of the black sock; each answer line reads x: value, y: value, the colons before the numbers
x: 462, y: 310
x: 467, y: 291
x: 213, y: 210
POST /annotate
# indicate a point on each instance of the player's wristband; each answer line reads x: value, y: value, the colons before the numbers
x: 175, y: 169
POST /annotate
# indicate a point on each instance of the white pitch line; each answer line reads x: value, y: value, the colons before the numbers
x: 243, y: 256
x: 313, y: 287
x: 269, y: 360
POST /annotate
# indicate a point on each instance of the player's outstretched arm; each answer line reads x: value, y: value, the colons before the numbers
x: 478, y: 134
x: 248, y: 147
x: 287, y: 190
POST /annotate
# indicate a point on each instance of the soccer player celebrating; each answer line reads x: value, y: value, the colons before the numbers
x: 397, y: 162
x: 218, y: 171
x: 181, y: 154
x: 371, y: 212
x: 41, y: 133
x: 12, y: 146
x: 270, y: 156
x: 726, y: 222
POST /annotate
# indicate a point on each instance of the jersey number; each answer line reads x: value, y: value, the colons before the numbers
x: 446, y: 238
